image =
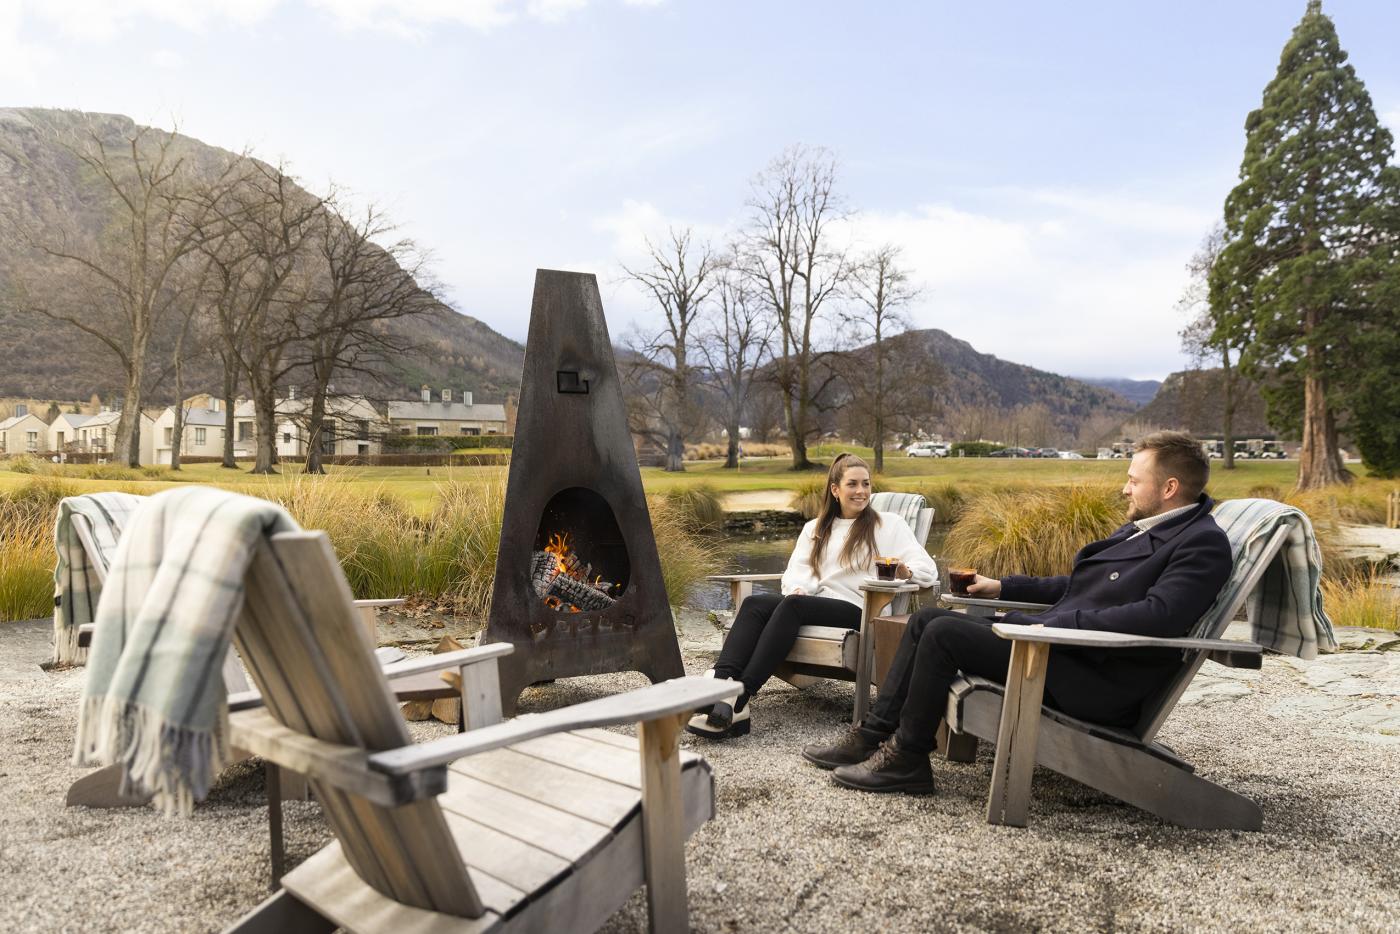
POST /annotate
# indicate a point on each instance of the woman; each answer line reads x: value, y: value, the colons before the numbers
x: 821, y: 587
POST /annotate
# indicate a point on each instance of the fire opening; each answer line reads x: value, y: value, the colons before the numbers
x: 579, y: 563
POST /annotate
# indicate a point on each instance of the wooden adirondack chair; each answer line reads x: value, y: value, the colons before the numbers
x: 545, y: 823
x: 1128, y: 764
x: 101, y: 788
x: 830, y: 651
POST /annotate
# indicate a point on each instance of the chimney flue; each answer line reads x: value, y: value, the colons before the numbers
x: 427, y: 394
x: 446, y: 396
x: 466, y: 397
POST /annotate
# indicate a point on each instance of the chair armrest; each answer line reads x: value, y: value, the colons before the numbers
x: 1093, y: 638
x: 247, y: 700
x: 992, y: 604
x: 891, y: 587
x: 670, y: 698
x: 740, y: 578
x: 345, y: 767
x: 457, y: 659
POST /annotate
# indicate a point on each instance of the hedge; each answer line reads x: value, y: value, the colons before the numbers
x: 444, y: 444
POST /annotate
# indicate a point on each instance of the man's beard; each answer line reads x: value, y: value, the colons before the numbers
x: 1135, y: 512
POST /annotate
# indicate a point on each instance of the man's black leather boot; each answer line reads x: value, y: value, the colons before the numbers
x: 889, y: 769
x: 855, y: 746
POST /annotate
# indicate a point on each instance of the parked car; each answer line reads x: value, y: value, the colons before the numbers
x: 1010, y: 452
x: 1071, y: 456
x: 927, y: 449
x: 1047, y: 452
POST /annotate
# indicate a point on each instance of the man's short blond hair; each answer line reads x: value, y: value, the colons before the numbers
x: 1177, y: 454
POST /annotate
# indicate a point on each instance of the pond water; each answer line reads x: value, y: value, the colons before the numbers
x: 768, y: 554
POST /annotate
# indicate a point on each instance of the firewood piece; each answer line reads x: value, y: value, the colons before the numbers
x: 447, y: 709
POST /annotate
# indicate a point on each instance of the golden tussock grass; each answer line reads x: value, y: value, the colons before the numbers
x: 1034, y: 532
x: 1362, y: 600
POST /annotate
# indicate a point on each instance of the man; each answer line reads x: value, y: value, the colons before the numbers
x: 1155, y: 576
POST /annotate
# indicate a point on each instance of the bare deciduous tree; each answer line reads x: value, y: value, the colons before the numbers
x: 795, y: 267
x: 362, y: 288
x: 734, y: 343
x: 679, y: 277
x: 162, y: 206
x: 1212, y: 330
x: 881, y: 289
x: 272, y: 290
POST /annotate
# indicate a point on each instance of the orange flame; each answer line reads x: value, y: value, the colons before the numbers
x: 560, y: 547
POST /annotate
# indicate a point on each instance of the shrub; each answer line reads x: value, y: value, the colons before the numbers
x: 973, y: 448
x: 1265, y: 491
x: 25, y: 464
x: 26, y: 560
x: 808, y: 497
x: 1033, y: 531
x: 463, y: 537
x: 1364, y: 600
x: 701, y: 504
x: 946, y: 500
x: 1358, y: 503
x: 687, y: 555
x: 106, y: 472
x: 444, y: 444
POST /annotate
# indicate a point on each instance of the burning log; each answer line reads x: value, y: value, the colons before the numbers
x: 559, y: 580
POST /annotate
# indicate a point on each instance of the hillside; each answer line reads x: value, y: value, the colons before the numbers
x: 1136, y: 391
x: 1193, y: 400
x: 44, y: 184
x: 1073, y: 410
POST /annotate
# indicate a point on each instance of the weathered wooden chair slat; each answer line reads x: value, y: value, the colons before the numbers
x: 546, y: 836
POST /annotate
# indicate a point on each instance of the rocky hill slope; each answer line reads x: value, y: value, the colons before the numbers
x: 48, y: 189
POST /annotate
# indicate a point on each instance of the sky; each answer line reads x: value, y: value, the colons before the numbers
x: 1047, y: 168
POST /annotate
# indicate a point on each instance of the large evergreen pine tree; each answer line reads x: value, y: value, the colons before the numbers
x: 1297, y: 228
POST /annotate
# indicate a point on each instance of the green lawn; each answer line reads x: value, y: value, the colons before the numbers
x: 419, y: 486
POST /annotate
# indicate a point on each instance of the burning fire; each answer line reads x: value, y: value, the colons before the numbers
x: 559, y: 560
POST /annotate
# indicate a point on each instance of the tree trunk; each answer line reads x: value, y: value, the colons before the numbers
x: 675, y: 451
x: 230, y: 390
x: 126, y: 449
x: 265, y: 428
x: 1319, y: 464
x: 177, y: 433
x: 731, y: 457
x: 1228, y: 428
x: 315, y: 426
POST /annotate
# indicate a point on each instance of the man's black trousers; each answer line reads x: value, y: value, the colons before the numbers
x: 938, y: 645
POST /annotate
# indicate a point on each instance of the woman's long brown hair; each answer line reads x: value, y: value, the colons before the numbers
x: 860, y: 544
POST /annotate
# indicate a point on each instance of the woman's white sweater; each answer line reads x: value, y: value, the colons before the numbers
x: 893, y: 539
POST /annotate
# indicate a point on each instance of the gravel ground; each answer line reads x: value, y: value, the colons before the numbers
x: 791, y: 851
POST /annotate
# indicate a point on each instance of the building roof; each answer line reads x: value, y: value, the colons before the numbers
x: 14, y: 420
x: 446, y: 411
x: 205, y: 418
x: 73, y: 419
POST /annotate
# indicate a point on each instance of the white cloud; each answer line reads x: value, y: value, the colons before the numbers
x: 168, y: 59
x: 552, y: 11
x: 1391, y: 118
x: 413, y: 18
x: 20, y: 58
x: 102, y: 20
x: 1075, y: 282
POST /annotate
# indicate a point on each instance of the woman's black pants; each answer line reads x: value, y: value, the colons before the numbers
x: 765, y: 629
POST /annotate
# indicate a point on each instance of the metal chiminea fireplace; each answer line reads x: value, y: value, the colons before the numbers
x: 578, y: 581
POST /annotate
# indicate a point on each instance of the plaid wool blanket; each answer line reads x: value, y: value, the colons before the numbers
x: 81, y: 567
x: 154, y: 700
x: 1285, y: 607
